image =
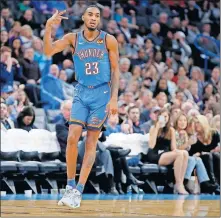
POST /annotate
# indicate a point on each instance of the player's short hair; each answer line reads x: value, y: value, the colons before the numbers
x: 92, y: 6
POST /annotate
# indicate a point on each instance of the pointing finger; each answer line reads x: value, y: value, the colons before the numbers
x: 56, y: 12
x: 62, y: 12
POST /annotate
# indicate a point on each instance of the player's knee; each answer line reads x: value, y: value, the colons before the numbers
x: 72, y: 140
x: 90, y: 144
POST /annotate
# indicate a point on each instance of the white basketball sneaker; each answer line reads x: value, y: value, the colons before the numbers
x: 71, y: 198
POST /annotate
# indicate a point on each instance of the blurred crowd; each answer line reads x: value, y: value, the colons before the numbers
x: 169, y: 59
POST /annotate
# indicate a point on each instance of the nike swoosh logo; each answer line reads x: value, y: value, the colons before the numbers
x: 80, y: 43
x: 105, y: 92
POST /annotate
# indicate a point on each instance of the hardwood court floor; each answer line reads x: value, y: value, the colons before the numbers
x: 137, y: 205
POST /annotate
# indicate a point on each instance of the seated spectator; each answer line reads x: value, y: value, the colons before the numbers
x: 132, y: 124
x: 184, y: 142
x: 132, y: 49
x: 161, y: 99
x: 122, y: 111
x: 6, y: 15
x: 179, y: 43
x: 187, y: 106
x: 14, y: 32
x: 128, y: 97
x: 26, y: 119
x: 162, y: 150
x: 207, y: 147
x: 6, y: 123
x: 39, y: 57
x: 153, y: 118
x: 122, y: 45
x: 208, y: 91
x: 154, y: 35
x: 112, y: 125
x: 10, y: 68
x: 163, y: 20
x: 27, y: 19
x: 215, y: 122
x: 124, y: 69
x: 4, y: 38
x: 106, y: 16
x: 168, y: 75
x: 112, y: 27
x: 161, y: 87
x: 22, y: 100
x: 17, y: 52
x: 183, y: 85
x: 63, y: 75
x: 26, y: 36
x: 215, y: 79
x: 146, y: 98
x: 31, y: 71
x: 24, y: 5
x: 194, y: 91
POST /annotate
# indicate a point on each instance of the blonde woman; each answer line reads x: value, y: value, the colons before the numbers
x: 207, y: 147
x: 26, y: 36
x: 183, y: 142
x: 162, y: 150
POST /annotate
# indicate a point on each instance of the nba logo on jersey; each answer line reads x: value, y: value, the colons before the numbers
x: 100, y: 41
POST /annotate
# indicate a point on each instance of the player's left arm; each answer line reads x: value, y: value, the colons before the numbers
x: 112, y: 46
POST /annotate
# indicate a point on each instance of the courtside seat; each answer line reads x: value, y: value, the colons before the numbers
x: 149, y: 168
x: 9, y: 161
x: 163, y: 169
x: 9, y: 167
x: 96, y: 169
x: 135, y: 170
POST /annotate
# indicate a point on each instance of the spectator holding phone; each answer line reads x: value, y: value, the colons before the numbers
x: 163, y: 150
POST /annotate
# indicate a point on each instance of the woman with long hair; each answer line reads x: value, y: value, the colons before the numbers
x: 162, y: 149
x: 183, y: 142
x: 207, y: 147
x: 26, y: 119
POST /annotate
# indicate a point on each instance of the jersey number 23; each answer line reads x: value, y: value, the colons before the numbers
x: 91, y: 68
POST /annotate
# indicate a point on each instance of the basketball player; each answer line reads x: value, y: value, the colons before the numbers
x: 95, y: 56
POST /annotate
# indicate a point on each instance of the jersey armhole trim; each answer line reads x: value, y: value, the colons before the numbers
x: 75, y: 44
x: 105, y: 42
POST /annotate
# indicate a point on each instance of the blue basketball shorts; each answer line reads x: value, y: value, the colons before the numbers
x: 89, y: 106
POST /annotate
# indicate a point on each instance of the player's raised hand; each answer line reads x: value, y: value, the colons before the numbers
x: 56, y: 18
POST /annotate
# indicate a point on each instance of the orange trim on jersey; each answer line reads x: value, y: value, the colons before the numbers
x: 78, y: 121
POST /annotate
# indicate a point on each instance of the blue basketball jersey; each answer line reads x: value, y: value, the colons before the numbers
x: 91, y: 60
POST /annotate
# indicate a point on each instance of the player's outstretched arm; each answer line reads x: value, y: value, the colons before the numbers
x: 112, y: 46
x: 50, y: 48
